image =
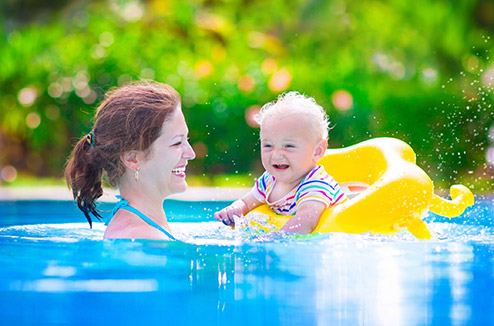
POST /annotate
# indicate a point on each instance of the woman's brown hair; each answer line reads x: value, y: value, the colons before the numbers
x: 130, y: 118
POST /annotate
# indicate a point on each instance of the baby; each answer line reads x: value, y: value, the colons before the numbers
x: 294, y: 136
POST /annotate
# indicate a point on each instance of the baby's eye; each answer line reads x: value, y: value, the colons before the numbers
x: 289, y: 146
x: 267, y: 146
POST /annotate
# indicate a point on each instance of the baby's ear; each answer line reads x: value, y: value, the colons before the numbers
x: 320, y: 149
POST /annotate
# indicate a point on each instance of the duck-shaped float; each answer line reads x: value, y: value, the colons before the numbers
x: 395, y: 193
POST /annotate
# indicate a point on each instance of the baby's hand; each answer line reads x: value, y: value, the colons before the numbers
x: 227, y: 214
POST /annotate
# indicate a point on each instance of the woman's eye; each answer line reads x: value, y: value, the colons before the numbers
x: 181, y: 142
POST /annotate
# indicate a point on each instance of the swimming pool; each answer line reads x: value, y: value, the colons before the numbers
x: 56, y: 271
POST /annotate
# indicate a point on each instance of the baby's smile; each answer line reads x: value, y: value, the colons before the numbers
x: 281, y: 166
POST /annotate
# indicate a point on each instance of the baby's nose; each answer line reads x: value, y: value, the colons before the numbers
x: 278, y: 154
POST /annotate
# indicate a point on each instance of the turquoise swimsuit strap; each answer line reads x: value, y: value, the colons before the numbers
x: 125, y: 205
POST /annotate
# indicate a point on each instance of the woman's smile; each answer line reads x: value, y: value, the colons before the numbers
x: 179, y: 171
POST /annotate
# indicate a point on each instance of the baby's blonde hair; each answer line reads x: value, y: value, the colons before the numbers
x: 294, y: 102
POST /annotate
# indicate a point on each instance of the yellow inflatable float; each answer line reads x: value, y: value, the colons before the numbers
x: 396, y: 193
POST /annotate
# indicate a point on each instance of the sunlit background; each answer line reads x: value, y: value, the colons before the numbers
x: 419, y: 70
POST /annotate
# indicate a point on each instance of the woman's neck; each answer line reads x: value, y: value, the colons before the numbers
x: 145, y: 201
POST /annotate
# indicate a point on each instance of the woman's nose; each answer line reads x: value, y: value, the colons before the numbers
x: 189, y: 153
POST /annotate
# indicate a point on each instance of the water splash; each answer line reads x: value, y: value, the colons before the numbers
x: 214, y: 233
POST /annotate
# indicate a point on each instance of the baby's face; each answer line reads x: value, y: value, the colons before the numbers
x: 288, y: 147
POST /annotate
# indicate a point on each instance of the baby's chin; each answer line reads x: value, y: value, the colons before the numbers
x: 285, y: 175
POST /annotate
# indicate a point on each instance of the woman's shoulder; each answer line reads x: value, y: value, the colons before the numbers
x: 125, y: 226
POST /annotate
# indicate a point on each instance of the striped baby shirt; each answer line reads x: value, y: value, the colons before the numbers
x: 317, y: 185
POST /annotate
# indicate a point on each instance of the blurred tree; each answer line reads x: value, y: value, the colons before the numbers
x: 420, y: 71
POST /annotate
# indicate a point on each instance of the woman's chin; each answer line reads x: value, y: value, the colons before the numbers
x: 178, y: 187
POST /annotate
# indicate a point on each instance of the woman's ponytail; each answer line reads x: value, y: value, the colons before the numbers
x: 83, y: 175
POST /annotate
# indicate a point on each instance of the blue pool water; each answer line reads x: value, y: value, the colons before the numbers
x: 57, y: 271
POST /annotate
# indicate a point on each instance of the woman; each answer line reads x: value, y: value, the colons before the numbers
x: 139, y: 140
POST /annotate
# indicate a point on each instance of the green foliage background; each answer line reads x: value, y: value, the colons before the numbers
x: 417, y: 70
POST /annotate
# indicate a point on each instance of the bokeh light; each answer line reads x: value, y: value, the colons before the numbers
x: 280, y: 81
x: 269, y: 66
x: 98, y: 51
x: 211, y: 22
x: 55, y: 90
x: 488, y: 78
x: 250, y: 115
x: 246, y: 83
x: 33, y: 120
x: 8, y: 173
x: 200, y: 149
x: 90, y: 97
x: 256, y: 39
x: 490, y: 156
x: 106, y: 39
x: 147, y: 73
x: 429, y: 75
x: 132, y: 11
x: 490, y: 151
x: 470, y: 63
x: 81, y: 79
x: 27, y: 96
x: 389, y: 64
x: 124, y: 79
x: 67, y: 84
x: 490, y: 134
x: 218, y: 53
x: 203, y: 68
x: 342, y: 100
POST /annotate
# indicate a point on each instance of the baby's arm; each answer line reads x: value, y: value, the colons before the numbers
x: 239, y: 207
x: 306, y: 218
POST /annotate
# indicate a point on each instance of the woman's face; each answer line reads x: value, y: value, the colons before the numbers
x: 164, y: 168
